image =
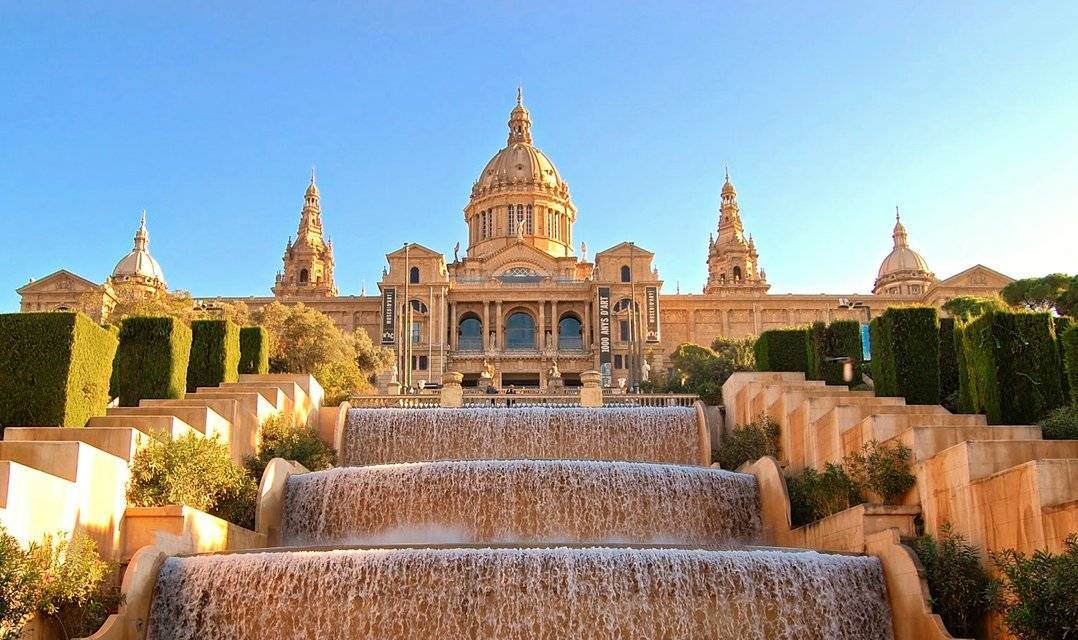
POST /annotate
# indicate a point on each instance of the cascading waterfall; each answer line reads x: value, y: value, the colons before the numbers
x: 483, y: 523
x: 644, y: 434
x: 521, y: 594
x: 522, y: 501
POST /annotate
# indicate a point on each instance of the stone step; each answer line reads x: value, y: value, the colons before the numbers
x: 156, y: 426
x: 927, y: 441
x: 243, y: 436
x: 118, y: 441
x: 252, y: 401
x: 273, y: 395
x: 306, y: 382
x: 203, y: 419
x: 23, y: 512
x: 976, y: 459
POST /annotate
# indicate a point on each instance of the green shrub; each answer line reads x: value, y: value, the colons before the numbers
x: 844, y: 341
x: 254, y: 350
x: 1060, y: 424
x: 905, y: 353
x: 815, y: 494
x: 966, y: 385
x: 948, y: 361
x: 151, y: 361
x: 195, y: 471
x: 966, y: 308
x: 215, y: 353
x: 19, y: 580
x: 748, y: 443
x: 782, y: 350
x: 74, y: 592
x: 1038, y: 594
x: 54, y: 369
x: 703, y: 371
x: 1013, y: 369
x: 815, y: 350
x: 882, y: 470
x: 960, y: 588
x: 1068, y: 346
x: 282, y: 438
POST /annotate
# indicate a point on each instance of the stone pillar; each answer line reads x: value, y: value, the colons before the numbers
x: 393, y: 388
x: 541, y: 339
x: 554, y: 322
x: 485, y: 333
x: 452, y: 392
x: 585, y: 338
x: 498, y: 337
x: 591, y: 394
x: 454, y: 343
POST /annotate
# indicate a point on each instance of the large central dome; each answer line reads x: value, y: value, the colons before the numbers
x: 520, y: 197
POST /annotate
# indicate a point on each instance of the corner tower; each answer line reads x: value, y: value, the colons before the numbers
x: 732, y: 261
x: 520, y: 197
x: 308, y: 261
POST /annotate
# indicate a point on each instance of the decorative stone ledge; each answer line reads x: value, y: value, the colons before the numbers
x: 176, y: 529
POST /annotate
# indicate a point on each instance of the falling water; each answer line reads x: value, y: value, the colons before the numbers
x: 520, y: 501
x: 644, y: 434
x: 518, y: 594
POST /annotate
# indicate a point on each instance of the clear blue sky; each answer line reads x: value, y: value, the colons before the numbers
x: 210, y: 115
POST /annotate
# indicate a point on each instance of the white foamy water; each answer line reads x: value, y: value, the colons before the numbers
x: 520, y: 594
x: 644, y: 434
x: 549, y: 501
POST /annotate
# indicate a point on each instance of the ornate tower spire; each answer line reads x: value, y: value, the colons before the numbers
x: 899, y: 233
x: 142, y: 236
x: 520, y: 122
x: 732, y: 261
x: 308, y: 261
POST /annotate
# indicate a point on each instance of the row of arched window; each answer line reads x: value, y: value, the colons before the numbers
x: 520, y: 332
x: 549, y: 222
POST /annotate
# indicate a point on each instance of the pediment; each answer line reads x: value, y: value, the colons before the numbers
x: 520, y: 255
x: 62, y: 280
x: 977, y: 276
x: 414, y: 250
x: 624, y: 249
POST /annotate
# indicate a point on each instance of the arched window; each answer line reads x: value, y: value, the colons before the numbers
x: 303, y: 275
x: 520, y: 331
x: 413, y: 275
x: 626, y: 274
x: 624, y: 305
x: 570, y: 333
x: 419, y: 307
x: 722, y: 279
x: 737, y: 274
x: 470, y: 333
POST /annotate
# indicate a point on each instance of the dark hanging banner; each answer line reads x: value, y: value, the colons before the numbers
x: 389, y: 315
x: 606, y: 367
x: 652, y: 295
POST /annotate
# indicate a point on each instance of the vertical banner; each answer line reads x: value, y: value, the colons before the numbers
x: 389, y: 315
x: 606, y: 367
x: 652, y: 302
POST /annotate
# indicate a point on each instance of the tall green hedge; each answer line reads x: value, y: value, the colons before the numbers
x: 254, y: 350
x: 152, y: 359
x: 215, y: 353
x: 905, y: 354
x: 1062, y: 325
x: 948, y: 359
x: 1069, y: 340
x: 1013, y: 364
x: 816, y: 351
x: 54, y: 369
x: 844, y: 341
x: 966, y: 391
x: 782, y: 350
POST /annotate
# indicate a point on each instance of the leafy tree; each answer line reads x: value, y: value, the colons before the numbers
x: 19, y: 580
x: 283, y: 438
x: 1042, y: 294
x: 1038, y: 594
x: 960, y: 588
x: 369, y: 356
x: 195, y: 471
x: 748, y: 443
x: 699, y: 370
x: 131, y: 301
x: 966, y: 308
x: 737, y: 353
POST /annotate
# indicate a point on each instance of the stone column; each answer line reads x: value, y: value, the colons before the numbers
x: 585, y: 338
x: 541, y: 338
x: 452, y: 392
x: 554, y: 323
x: 591, y: 394
x: 499, y: 338
x: 485, y: 333
x: 454, y: 343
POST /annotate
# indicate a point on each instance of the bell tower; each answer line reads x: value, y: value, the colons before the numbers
x: 308, y: 261
x: 732, y: 261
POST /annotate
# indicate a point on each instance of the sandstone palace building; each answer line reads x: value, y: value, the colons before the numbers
x: 525, y: 293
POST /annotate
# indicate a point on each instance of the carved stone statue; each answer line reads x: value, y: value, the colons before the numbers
x: 583, y: 252
x: 492, y: 341
x: 488, y: 370
x: 520, y: 230
x: 394, y: 373
x: 645, y: 371
x: 554, y: 372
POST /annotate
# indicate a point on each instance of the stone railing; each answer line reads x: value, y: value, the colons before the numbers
x: 427, y: 401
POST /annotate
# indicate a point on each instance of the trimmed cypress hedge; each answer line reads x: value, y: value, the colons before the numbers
x: 782, y: 350
x: 1062, y: 324
x: 54, y: 369
x: 948, y: 359
x: 905, y: 354
x: 816, y: 351
x: 966, y: 390
x: 1012, y: 360
x: 215, y: 353
x: 254, y: 350
x: 844, y: 341
x: 1069, y: 341
x: 152, y: 359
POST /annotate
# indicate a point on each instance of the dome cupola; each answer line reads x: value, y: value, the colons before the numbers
x: 139, y: 264
x: 903, y: 271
